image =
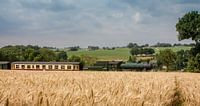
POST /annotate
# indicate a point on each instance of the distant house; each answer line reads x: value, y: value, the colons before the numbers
x: 46, y: 66
x: 4, y: 65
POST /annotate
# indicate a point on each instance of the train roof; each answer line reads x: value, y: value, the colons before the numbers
x: 75, y: 63
x: 4, y: 62
x: 135, y: 65
x: 109, y: 62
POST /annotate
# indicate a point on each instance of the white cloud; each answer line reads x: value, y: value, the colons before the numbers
x: 118, y: 15
x: 136, y: 17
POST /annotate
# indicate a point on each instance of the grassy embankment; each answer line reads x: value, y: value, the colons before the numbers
x: 118, y: 53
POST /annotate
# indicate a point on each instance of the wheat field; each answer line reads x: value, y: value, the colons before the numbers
x: 23, y: 88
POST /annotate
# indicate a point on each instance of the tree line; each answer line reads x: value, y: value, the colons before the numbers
x: 130, y: 45
x: 146, y: 51
x: 135, y: 45
x: 31, y: 53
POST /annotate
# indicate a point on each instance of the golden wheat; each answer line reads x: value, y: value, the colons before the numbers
x: 19, y: 88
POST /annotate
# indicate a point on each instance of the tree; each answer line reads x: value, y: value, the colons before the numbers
x: 33, y: 55
x: 162, y: 45
x: 181, y: 59
x: 134, y: 51
x: 146, y: 51
x: 166, y: 58
x: 107, y: 48
x: 62, y: 56
x: 75, y: 48
x: 88, y: 60
x: 93, y: 47
x: 145, y: 45
x: 45, y: 55
x: 189, y: 26
x: 194, y: 63
x: 197, y: 60
x: 10, y: 53
x: 132, y: 59
x: 1, y: 56
x: 74, y: 58
x: 132, y: 45
x: 195, y: 50
x: 27, y: 54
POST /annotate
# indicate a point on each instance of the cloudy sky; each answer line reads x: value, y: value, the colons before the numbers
x: 63, y: 23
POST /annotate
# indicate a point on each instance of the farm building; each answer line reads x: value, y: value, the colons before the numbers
x: 4, y: 65
x: 46, y: 66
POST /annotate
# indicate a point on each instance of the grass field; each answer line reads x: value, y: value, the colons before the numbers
x: 118, y: 53
x: 98, y: 89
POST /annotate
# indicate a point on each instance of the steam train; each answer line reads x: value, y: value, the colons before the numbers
x: 76, y: 66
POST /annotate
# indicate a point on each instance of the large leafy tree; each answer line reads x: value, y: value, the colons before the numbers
x: 188, y: 26
x: 166, y: 58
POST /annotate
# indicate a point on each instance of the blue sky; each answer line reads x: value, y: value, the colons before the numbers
x: 63, y: 23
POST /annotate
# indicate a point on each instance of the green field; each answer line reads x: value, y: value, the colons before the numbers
x: 118, y: 53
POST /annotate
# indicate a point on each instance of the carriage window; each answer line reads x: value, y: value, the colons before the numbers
x: 56, y: 66
x: 69, y: 67
x: 50, y: 66
x: 43, y: 66
x: 28, y: 66
x: 17, y: 66
x: 33, y: 66
x: 37, y: 66
x: 62, y: 67
x: 23, y: 66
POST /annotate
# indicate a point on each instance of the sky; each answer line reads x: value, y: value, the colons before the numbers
x: 65, y: 23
